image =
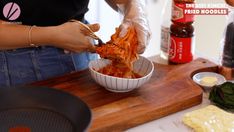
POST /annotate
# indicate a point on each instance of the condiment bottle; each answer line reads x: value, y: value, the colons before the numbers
x: 165, y: 30
x: 178, y: 15
x: 181, y: 33
x: 227, y: 52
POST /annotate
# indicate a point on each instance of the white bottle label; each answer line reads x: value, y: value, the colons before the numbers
x: 165, y: 39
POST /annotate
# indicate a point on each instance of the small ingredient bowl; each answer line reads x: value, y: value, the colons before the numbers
x: 208, y: 79
x: 142, y: 66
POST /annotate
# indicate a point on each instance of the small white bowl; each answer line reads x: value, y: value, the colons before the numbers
x: 198, y: 77
x: 142, y: 66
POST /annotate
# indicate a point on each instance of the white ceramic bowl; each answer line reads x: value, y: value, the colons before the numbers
x: 142, y: 66
x: 198, y: 77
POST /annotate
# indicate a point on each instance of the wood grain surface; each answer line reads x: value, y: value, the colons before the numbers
x: 170, y: 90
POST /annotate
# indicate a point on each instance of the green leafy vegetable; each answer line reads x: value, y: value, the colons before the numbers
x: 223, y: 95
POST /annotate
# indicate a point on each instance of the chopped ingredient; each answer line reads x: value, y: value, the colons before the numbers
x: 209, y: 81
x: 122, y: 52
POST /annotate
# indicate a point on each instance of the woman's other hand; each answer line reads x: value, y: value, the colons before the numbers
x: 134, y: 14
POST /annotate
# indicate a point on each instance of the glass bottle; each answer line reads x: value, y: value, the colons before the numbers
x: 165, y: 30
x: 181, y: 33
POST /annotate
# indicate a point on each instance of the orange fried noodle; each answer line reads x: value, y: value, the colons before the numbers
x: 122, y: 52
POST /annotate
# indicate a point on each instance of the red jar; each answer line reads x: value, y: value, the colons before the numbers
x: 181, y: 32
x: 181, y: 43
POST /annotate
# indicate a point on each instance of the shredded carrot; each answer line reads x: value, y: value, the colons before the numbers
x: 122, y: 52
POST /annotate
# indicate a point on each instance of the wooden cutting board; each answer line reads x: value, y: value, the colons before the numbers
x: 170, y: 90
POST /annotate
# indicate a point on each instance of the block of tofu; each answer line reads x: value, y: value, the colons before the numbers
x: 210, y: 119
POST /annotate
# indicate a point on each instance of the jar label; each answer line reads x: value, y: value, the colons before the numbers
x: 165, y: 39
x: 180, y: 50
x: 178, y: 13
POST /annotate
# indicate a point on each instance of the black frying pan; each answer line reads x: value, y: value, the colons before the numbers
x: 41, y: 109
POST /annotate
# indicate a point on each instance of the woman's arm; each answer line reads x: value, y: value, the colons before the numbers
x: 113, y: 3
x: 67, y: 36
x: 14, y: 36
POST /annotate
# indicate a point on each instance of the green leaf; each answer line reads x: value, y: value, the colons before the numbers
x: 228, y: 88
x: 223, y: 96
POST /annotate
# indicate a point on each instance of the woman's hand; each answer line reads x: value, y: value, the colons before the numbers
x: 71, y: 36
x: 142, y: 30
x: 134, y: 15
x: 230, y: 2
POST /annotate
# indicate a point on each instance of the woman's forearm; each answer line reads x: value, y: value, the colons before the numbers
x: 113, y: 3
x: 67, y: 36
x: 14, y: 36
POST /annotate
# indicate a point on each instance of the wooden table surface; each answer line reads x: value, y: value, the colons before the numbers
x: 170, y: 90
